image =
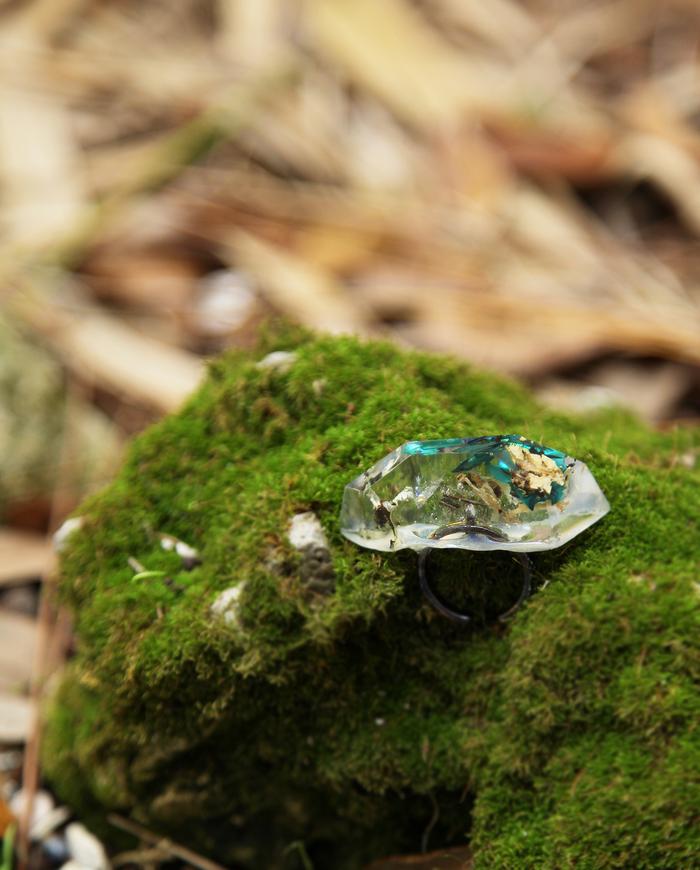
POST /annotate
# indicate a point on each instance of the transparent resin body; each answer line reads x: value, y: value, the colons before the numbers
x: 531, y: 497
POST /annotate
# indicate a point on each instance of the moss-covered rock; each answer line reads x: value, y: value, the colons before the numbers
x: 266, y: 718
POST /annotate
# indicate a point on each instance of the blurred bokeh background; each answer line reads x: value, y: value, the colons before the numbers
x: 517, y: 183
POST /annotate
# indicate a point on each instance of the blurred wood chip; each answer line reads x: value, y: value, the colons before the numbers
x: 15, y: 721
x: 160, y: 277
x: 297, y: 288
x: 105, y: 352
x: 18, y: 636
x: 39, y: 167
x: 23, y: 556
x: 545, y: 153
x: 379, y: 53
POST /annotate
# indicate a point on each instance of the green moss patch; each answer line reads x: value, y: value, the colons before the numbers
x: 357, y: 722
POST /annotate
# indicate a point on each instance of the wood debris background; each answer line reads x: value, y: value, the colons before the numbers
x: 517, y: 183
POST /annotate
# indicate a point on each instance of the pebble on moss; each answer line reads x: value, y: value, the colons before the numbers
x: 65, y: 530
x: 307, y: 536
x: 226, y: 605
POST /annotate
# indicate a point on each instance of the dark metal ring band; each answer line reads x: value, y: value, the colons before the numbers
x: 438, y: 603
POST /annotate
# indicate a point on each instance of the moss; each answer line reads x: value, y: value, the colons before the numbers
x: 356, y: 723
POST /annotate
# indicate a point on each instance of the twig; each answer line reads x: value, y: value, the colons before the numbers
x: 431, y: 824
x: 141, y: 857
x: 163, y: 843
x: 31, y: 762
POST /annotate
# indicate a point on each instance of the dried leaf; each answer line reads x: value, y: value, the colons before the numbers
x: 295, y: 287
x: 23, y: 556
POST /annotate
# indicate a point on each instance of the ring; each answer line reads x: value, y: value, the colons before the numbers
x: 442, y: 606
x: 521, y: 495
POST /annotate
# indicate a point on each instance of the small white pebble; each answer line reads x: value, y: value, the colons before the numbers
x: 186, y: 552
x: 42, y: 808
x: 50, y: 822
x: 61, y: 535
x: 305, y: 530
x: 226, y: 301
x: 282, y: 360
x: 226, y: 604
x: 380, y: 721
x: 85, y: 848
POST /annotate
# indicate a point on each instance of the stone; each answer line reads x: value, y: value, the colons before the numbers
x: 64, y: 531
x: 50, y: 823
x: 84, y: 847
x: 516, y: 494
x: 226, y: 604
x: 279, y: 360
x: 306, y: 534
x: 189, y: 556
x: 535, y: 744
x: 42, y: 807
x: 305, y: 530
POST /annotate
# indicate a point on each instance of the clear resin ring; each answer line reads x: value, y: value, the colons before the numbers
x: 496, y: 492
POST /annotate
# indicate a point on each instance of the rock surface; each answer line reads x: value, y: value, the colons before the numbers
x: 359, y: 723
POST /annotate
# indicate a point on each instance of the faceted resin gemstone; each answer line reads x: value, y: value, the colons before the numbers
x: 527, y: 496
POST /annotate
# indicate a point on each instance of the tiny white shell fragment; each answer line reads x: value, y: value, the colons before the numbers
x: 226, y: 604
x: 85, y: 848
x: 64, y: 531
x: 282, y: 360
x: 305, y: 530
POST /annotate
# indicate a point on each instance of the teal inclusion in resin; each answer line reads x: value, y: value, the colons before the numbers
x: 534, y: 497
